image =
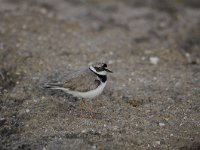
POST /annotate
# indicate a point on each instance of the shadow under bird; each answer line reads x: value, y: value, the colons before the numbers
x: 84, y: 84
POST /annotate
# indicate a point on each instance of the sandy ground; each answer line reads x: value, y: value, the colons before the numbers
x: 152, y: 100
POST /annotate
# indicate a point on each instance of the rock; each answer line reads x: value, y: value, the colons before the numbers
x: 154, y: 60
x: 161, y: 124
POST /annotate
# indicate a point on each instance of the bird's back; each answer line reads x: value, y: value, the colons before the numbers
x: 81, y: 81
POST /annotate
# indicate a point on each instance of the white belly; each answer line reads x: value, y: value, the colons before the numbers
x: 89, y: 95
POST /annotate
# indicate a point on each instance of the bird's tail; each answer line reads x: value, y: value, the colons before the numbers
x: 52, y: 85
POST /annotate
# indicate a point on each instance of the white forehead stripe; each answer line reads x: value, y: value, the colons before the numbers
x: 100, y: 72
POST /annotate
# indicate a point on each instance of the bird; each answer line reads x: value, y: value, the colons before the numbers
x: 86, y: 83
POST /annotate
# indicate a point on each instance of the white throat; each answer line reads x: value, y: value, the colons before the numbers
x: 100, y: 72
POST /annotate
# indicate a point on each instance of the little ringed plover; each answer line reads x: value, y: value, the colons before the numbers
x: 84, y: 84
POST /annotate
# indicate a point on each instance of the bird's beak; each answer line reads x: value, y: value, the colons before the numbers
x: 108, y: 70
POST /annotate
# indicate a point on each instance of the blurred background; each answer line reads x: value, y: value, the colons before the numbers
x: 150, y: 102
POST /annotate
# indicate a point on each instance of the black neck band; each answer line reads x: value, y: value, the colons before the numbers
x: 103, y: 78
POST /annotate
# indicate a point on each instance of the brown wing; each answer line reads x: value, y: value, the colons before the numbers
x: 82, y: 82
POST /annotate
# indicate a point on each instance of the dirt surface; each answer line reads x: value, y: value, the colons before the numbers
x: 152, y: 100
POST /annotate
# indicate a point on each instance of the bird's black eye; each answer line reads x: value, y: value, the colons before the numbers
x: 104, y: 65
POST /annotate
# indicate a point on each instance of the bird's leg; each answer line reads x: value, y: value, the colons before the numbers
x: 82, y: 103
x: 90, y: 108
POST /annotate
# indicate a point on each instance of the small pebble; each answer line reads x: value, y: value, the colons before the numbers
x: 188, y: 56
x: 24, y: 27
x: 154, y: 78
x: 94, y: 147
x: 18, y: 45
x: 43, y: 11
x: 111, y: 53
x: 161, y: 124
x: 115, y: 127
x: 157, y: 142
x: 27, y: 110
x: 154, y: 60
x: 35, y: 100
x: 83, y: 131
x: 143, y: 58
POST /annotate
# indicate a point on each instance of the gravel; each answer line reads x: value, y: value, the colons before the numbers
x: 151, y: 100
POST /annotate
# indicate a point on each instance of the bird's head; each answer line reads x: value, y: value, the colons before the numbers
x: 100, y: 68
